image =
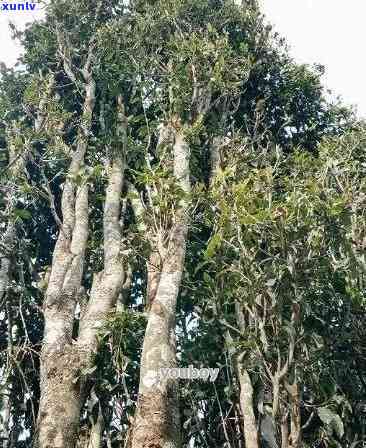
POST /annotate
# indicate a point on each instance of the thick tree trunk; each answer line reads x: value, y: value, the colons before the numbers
x: 157, y: 420
x: 61, y: 361
x: 64, y: 360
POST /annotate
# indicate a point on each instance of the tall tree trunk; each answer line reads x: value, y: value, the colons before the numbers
x: 246, y: 393
x: 157, y: 421
x: 63, y: 360
x: 60, y: 400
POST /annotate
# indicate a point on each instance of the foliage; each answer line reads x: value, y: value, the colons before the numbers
x: 279, y: 233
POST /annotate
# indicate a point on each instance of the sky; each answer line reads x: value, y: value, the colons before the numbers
x: 9, y: 50
x: 328, y: 32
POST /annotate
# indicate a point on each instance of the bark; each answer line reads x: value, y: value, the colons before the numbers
x: 6, y: 244
x: 247, y: 409
x: 157, y: 420
x: 246, y: 393
x: 153, y: 278
x: 108, y: 284
x: 284, y: 424
x: 284, y: 432
x: 63, y: 360
x: 295, y: 415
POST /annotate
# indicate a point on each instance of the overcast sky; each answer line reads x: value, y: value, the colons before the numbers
x: 9, y: 51
x: 329, y: 32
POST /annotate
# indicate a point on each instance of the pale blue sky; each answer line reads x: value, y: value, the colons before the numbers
x: 329, y: 32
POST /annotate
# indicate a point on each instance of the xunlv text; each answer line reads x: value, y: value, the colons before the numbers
x: 17, y: 6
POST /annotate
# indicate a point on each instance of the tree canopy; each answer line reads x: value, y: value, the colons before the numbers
x: 177, y: 192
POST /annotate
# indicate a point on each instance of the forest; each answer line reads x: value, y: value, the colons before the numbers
x: 182, y: 235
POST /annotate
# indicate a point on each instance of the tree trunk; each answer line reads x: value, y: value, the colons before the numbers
x: 61, y: 361
x: 246, y: 392
x: 153, y: 278
x: 157, y: 421
x: 6, y: 246
x: 295, y: 433
x: 64, y: 360
x: 246, y: 406
x: 284, y: 431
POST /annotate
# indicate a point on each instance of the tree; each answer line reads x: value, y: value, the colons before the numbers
x: 285, y: 231
x: 159, y: 138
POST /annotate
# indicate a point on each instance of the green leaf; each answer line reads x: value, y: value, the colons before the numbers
x: 213, y: 245
x: 22, y: 214
x: 332, y: 420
